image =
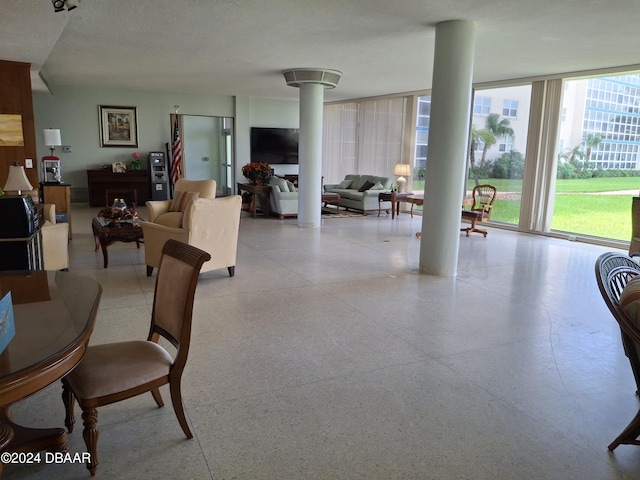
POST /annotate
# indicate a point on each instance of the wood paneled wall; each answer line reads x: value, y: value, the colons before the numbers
x: 15, y: 99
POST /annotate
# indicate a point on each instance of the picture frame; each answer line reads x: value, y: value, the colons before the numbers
x: 118, y: 126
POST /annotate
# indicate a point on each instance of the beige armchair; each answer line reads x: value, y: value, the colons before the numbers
x: 55, y: 240
x: 170, y: 212
x: 211, y: 224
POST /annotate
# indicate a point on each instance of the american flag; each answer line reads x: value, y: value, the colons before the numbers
x: 176, y: 153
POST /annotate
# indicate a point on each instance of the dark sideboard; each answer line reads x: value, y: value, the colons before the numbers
x: 104, y: 186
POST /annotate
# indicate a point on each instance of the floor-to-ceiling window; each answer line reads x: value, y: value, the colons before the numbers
x: 499, y: 129
x: 598, y: 156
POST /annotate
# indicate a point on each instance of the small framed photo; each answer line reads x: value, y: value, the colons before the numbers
x: 118, y: 126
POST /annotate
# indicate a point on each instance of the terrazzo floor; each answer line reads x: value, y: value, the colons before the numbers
x: 328, y: 356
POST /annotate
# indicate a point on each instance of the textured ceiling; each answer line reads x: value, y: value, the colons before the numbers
x: 240, y: 47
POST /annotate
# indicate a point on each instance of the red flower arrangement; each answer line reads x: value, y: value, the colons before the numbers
x: 257, y: 172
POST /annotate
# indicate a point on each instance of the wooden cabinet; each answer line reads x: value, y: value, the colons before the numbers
x: 104, y: 186
x: 60, y: 195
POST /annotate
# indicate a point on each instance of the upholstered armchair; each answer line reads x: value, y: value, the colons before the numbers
x: 55, y: 240
x: 211, y: 224
x: 170, y: 212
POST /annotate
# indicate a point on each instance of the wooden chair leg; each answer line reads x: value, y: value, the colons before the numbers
x: 176, y: 400
x: 69, y: 400
x: 232, y: 270
x: 629, y: 435
x: 91, y: 434
x: 157, y: 397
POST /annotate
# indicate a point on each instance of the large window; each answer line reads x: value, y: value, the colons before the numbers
x: 598, y: 150
x: 363, y: 137
x: 499, y: 140
x: 422, y: 138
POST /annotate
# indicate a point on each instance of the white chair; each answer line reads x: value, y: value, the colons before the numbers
x: 55, y: 241
x: 211, y: 224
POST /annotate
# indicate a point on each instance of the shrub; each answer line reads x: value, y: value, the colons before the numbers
x: 566, y: 170
x: 509, y: 165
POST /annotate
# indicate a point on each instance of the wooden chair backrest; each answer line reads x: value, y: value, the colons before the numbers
x: 174, y: 294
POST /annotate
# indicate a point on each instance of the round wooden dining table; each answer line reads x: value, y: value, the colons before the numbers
x: 54, y: 315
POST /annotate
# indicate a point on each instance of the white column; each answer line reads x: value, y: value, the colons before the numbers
x: 310, y: 155
x: 448, y: 139
x: 311, y: 82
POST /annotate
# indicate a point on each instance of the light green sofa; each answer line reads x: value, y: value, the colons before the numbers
x: 284, y: 197
x: 352, y: 198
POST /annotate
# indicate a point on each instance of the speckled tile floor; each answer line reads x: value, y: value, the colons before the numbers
x: 328, y: 357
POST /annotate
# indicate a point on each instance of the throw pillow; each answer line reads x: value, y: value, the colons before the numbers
x: 377, y: 186
x: 181, y: 200
x: 292, y: 187
x: 630, y: 299
x: 282, y: 183
x: 345, y: 184
x: 366, y: 186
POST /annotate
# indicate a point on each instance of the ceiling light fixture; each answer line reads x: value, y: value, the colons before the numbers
x: 59, y: 5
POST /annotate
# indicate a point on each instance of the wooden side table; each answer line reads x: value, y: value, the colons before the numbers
x: 395, y: 198
x: 259, y: 192
x: 416, y: 199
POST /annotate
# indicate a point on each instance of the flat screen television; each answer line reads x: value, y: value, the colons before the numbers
x: 275, y: 146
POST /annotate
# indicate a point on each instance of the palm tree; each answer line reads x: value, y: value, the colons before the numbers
x: 572, y: 155
x: 498, y: 128
x: 479, y: 136
x: 590, y: 141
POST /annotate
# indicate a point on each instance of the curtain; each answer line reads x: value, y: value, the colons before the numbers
x: 365, y: 137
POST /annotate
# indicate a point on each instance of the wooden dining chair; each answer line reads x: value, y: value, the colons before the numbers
x: 613, y: 273
x: 113, y: 372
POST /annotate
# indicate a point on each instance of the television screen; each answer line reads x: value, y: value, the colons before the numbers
x: 274, y: 145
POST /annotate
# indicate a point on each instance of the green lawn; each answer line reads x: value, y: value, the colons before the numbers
x: 577, y: 208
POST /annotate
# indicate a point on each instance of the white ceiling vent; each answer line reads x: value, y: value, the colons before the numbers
x: 324, y: 76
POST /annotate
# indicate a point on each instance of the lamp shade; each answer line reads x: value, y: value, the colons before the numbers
x: 52, y: 137
x: 402, y: 169
x: 17, y: 180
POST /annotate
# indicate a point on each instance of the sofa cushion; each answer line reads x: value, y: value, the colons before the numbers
x: 366, y: 186
x: 181, y: 199
x: 358, y: 181
x: 292, y: 187
x: 630, y: 299
x: 344, y: 184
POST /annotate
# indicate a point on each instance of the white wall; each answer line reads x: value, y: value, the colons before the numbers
x: 75, y: 112
x: 262, y: 112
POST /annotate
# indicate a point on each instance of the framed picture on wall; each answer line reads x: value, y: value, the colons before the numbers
x: 118, y: 126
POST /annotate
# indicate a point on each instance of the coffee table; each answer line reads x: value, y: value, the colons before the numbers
x: 107, y: 230
x: 395, y: 198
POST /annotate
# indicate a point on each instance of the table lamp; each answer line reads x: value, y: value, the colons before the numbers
x: 17, y: 180
x: 51, y: 172
x: 52, y: 138
x: 401, y: 169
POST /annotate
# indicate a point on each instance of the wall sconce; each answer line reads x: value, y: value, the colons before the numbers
x: 402, y: 169
x: 17, y: 180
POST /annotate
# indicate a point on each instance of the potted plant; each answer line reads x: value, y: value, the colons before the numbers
x: 257, y: 172
x: 135, y: 163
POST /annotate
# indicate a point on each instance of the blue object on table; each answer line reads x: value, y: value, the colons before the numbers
x: 7, y: 326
